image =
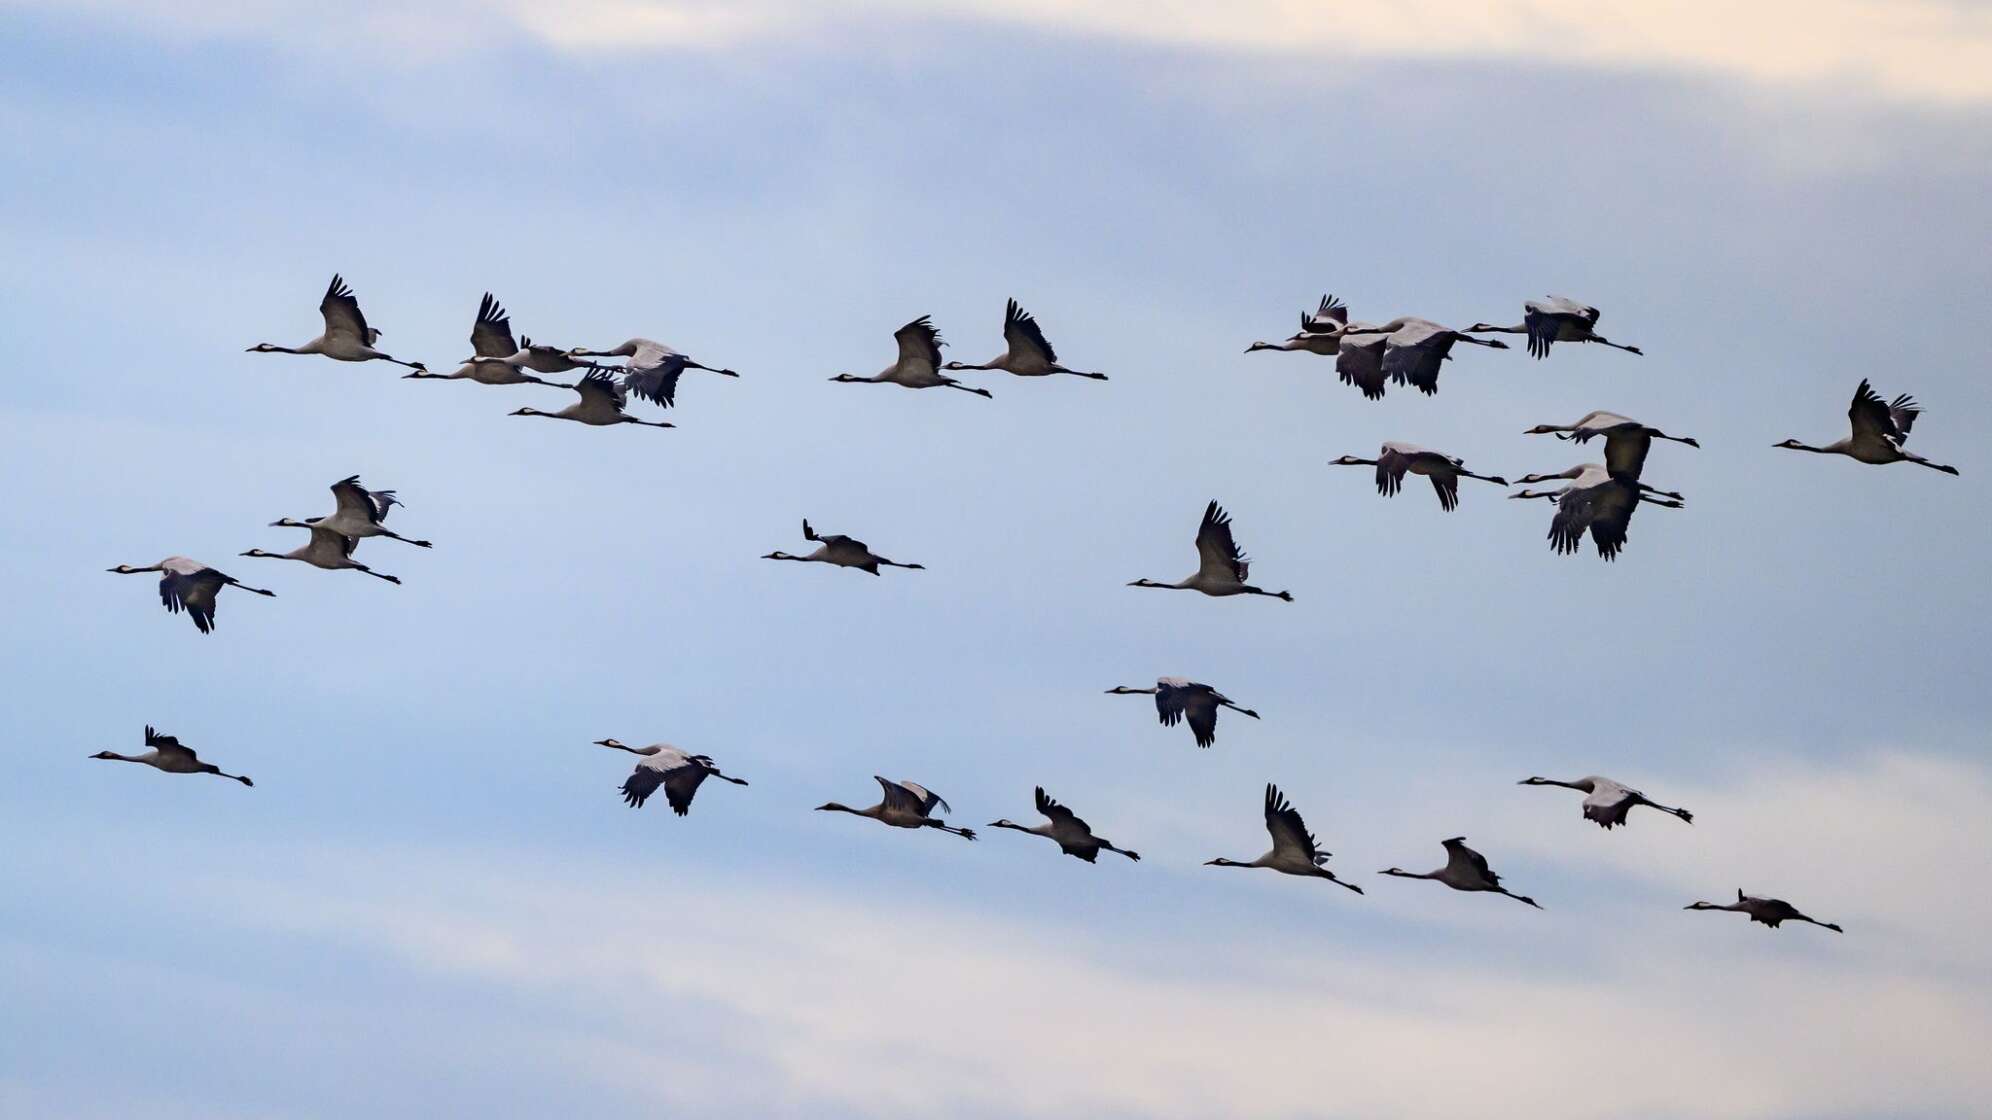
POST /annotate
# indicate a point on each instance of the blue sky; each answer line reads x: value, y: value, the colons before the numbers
x: 433, y: 899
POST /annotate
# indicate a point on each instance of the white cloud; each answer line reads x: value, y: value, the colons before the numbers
x: 1923, y: 50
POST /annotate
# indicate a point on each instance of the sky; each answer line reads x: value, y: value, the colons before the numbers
x: 433, y: 900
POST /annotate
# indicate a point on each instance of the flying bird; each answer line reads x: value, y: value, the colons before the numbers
x: 496, y: 357
x: 1608, y: 802
x: 347, y: 337
x: 1029, y: 353
x: 169, y: 756
x: 1879, y: 431
x: 1594, y: 501
x: 1414, y: 348
x: 843, y: 551
x: 1626, y: 440
x: 1295, y: 850
x: 1397, y: 459
x: 651, y: 370
x: 326, y: 549
x: 1465, y: 870
x: 191, y: 586
x: 1773, y: 912
x: 1177, y: 699
x: 601, y: 405
x: 1073, y: 836
x: 359, y: 513
x: 919, y: 363
x: 906, y: 805
x: 1320, y: 331
x: 1551, y: 320
x: 665, y: 765
x: 1221, y: 568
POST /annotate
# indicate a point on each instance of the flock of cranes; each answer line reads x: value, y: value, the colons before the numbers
x: 1598, y: 499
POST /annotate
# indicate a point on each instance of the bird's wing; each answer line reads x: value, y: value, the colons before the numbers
x: 1022, y: 333
x: 1459, y: 857
x: 1170, y: 699
x: 657, y: 382
x: 383, y: 500
x: 491, y: 336
x: 680, y: 783
x: 927, y: 799
x: 1058, y: 814
x: 328, y: 541
x: 1902, y: 412
x: 600, y: 386
x: 1625, y: 452
x: 641, y: 783
x: 1414, y: 353
x: 1391, y: 463
x: 1201, y: 710
x: 1544, y: 324
x: 354, y: 500
x: 1217, y: 552
x: 1331, y: 315
x: 1611, y: 515
x: 1359, y: 362
x: 1446, y: 484
x: 919, y: 344
x: 1574, y: 513
x: 168, y: 745
x: 342, y: 314
x: 1284, y: 823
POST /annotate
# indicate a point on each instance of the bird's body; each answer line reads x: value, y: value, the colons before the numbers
x: 169, y: 756
x: 1177, y: 699
x: 678, y: 772
x: 347, y: 336
x: 1295, y: 850
x: 1222, y: 568
x: 1029, y: 354
x: 1626, y: 440
x: 326, y: 549
x: 1465, y: 870
x: 843, y: 551
x: 1555, y: 319
x: 1607, y: 802
x: 601, y: 405
x: 1073, y: 836
x: 1880, y: 428
x: 496, y: 356
x: 1596, y: 501
x: 1414, y: 349
x: 919, y: 363
x: 650, y: 369
x: 191, y: 586
x: 358, y: 513
x: 1773, y: 912
x: 1395, y: 460
x: 905, y: 805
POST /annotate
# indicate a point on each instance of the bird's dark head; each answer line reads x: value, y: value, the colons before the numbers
x: 1691, y: 442
x: 1286, y: 596
x: 288, y: 523
x: 1635, y: 350
x: 1790, y: 443
x: 525, y: 412
x: 1541, y: 430
x: 1393, y: 871
x: 1701, y: 906
x: 1220, y: 862
x: 1004, y: 823
x: 256, y: 552
x: 1497, y: 480
x: 1495, y: 343
x: 1535, y: 782
x: 1347, y: 461
x: 833, y: 807
x: 1121, y: 690
x: 954, y: 365
x: 260, y: 348
x: 104, y: 754
x: 1144, y: 583
x: 1478, y: 327
x: 122, y: 569
x: 1454, y: 840
x: 610, y: 743
x: 847, y: 377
